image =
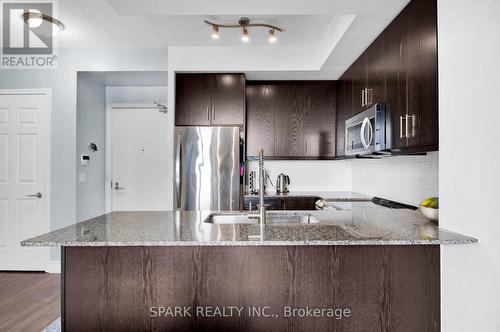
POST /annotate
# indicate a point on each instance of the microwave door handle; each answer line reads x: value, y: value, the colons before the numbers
x: 366, y: 122
x: 370, y: 132
x: 178, y: 171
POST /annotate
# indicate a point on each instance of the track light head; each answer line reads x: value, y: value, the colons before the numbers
x: 272, y: 36
x: 215, y: 32
x: 245, y: 38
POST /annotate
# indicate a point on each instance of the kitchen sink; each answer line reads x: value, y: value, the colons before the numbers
x: 271, y: 218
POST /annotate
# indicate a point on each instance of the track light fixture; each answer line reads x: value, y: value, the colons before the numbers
x: 34, y: 19
x: 244, y: 24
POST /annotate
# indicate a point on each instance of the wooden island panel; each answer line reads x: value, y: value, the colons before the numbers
x: 386, y: 288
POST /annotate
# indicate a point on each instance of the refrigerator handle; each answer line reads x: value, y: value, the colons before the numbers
x: 178, y: 155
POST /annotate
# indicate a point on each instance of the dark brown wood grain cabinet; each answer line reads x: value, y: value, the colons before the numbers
x: 299, y: 116
x: 375, y: 72
x: 228, y: 100
x: 193, y: 99
x: 292, y: 101
x: 400, y: 69
x: 260, y: 119
x: 210, y: 99
x: 344, y: 108
x: 358, y: 72
x: 320, y: 120
x: 394, y: 41
x: 422, y: 107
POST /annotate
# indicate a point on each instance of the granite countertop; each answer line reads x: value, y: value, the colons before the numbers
x: 326, y: 195
x: 365, y: 224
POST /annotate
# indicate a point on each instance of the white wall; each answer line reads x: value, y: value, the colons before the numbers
x: 406, y: 179
x: 90, y: 127
x: 469, y: 166
x: 136, y: 94
x: 309, y: 175
x: 62, y: 81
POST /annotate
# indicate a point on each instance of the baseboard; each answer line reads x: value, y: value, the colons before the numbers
x: 53, y: 267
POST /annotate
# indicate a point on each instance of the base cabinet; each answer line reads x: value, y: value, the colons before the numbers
x: 370, y: 288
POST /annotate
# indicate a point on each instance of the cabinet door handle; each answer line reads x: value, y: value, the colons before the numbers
x: 401, y: 117
x: 362, y: 97
x: 208, y: 113
x: 412, y: 117
x: 213, y: 112
x: 406, y: 126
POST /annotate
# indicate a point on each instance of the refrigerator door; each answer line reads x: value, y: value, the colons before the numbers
x: 207, y: 168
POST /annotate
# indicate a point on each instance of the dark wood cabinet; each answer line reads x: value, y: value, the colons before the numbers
x: 344, y: 109
x: 228, y: 100
x: 291, y: 119
x: 282, y: 203
x: 394, y: 39
x: 358, y: 77
x: 260, y: 119
x: 400, y: 69
x: 210, y: 99
x: 292, y: 102
x: 421, y: 53
x: 193, y: 99
x: 320, y: 120
x: 375, y: 72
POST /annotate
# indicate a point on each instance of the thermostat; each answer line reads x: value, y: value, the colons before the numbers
x: 85, y: 160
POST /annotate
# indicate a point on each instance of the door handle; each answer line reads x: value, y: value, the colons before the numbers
x: 369, y: 96
x: 401, y: 117
x: 208, y: 113
x: 362, y: 97
x: 117, y: 187
x: 213, y: 112
x: 366, y: 124
x: 412, y: 117
x: 178, y: 171
x: 37, y: 195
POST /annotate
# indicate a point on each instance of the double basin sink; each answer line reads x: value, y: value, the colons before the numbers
x: 271, y: 218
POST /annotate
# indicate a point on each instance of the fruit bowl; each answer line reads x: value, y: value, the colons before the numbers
x: 430, y: 213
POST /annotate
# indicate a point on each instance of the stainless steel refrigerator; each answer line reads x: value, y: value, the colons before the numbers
x: 207, y: 168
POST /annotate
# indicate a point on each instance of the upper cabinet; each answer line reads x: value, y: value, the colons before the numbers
x: 421, y: 125
x: 291, y: 120
x: 210, y: 99
x: 260, y: 118
x: 400, y: 69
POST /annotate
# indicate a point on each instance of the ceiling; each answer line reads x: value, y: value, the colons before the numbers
x: 337, y: 30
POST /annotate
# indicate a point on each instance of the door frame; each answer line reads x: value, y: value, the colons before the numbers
x: 48, y: 264
x: 108, y: 159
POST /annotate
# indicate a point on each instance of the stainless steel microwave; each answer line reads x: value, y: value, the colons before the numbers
x: 368, y: 132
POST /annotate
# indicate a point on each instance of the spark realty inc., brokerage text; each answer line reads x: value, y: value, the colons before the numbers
x: 251, y: 311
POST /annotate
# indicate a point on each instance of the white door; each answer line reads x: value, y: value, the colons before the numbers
x: 139, y: 160
x: 24, y: 177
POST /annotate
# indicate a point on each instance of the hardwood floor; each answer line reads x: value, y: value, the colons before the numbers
x: 29, y: 301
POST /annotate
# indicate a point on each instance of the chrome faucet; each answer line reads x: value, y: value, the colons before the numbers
x: 262, y: 187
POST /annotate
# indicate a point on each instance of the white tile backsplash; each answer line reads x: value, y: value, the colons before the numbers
x: 406, y: 179
x: 310, y: 175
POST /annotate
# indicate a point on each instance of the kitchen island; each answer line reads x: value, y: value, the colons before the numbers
x: 371, y: 268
